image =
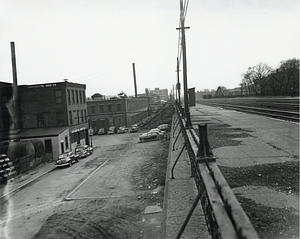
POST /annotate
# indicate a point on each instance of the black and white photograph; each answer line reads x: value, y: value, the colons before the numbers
x: 153, y: 119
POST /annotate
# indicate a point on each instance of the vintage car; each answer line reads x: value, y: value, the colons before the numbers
x: 102, y: 131
x: 81, y: 151
x: 122, y: 130
x: 134, y: 128
x: 151, y: 136
x: 164, y: 127
x: 158, y: 131
x: 112, y: 130
x: 66, y: 159
x: 88, y: 149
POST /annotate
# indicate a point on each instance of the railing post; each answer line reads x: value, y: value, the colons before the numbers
x: 204, y: 153
x: 176, y: 139
x: 172, y: 171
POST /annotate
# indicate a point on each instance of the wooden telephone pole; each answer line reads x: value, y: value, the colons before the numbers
x: 183, y: 45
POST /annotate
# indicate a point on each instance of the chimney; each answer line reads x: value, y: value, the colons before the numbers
x: 16, y: 105
x: 134, y: 78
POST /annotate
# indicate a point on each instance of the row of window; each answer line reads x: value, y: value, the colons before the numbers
x: 76, y: 97
x: 78, y: 116
x: 43, y: 119
x: 101, y: 108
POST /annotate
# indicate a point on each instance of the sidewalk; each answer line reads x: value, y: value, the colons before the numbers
x: 180, y: 194
x: 21, y: 181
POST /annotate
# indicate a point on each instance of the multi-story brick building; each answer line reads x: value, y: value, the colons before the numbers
x: 6, y: 91
x: 55, y: 113
x: 104, y: 113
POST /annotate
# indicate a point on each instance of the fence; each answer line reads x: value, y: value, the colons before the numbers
x: 224, y: 216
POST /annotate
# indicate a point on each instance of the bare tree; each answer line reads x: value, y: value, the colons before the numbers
x: 288, y: 73
x: 253, y: 76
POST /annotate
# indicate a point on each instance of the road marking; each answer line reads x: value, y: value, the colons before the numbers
x: 68, y: 197
x: 26, y: 212
x: 94, y: 198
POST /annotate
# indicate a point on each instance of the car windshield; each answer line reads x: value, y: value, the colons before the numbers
x: 62, y: 156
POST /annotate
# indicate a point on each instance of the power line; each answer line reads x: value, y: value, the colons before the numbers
x: 186, y: 7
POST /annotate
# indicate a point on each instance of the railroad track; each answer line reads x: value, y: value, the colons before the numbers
x: 280, y: 108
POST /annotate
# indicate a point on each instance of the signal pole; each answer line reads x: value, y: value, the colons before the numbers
x: 186, y: 103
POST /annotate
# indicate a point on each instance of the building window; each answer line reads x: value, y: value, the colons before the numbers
x: 77, y: 101
x: 80, y: 97
x: 109, y: 108
x: 78, y: 118
x: 43, y: 120
x: 48, y: 145
x: 84, y: 115
x: 82, y: 119
x: 66, y: 142
x: 69, y: 97
x: 83, y: 96
x: 58, y: 99
x: 73, y: 97
x: 102, y: 123
x: 70, y: 117
x: 93, y: 109
x: 59, y: 119
x: 118, y: 107
x: 101, y: 108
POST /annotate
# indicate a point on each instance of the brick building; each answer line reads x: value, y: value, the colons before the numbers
x: 104, y: 113
x: 55, y: 113
x: 6, y: 91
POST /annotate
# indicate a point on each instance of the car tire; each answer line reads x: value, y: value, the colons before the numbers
x: 142, y: 140
x: 70, y: 164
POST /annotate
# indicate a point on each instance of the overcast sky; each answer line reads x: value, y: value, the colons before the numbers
x: 95, y: 42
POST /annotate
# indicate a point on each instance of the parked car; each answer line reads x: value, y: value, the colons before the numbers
x: 112, y: 130
x: 164, y: 127
x: 102, y: 131
x: 134, y: 128
x: 66, y: 159
x: 88, y: 149
x: 122, y: 130
x: 158, y: 131
x: 151, y: 136
x: 81, y: 152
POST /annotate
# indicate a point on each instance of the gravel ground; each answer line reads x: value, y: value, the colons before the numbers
x: 263, y: 190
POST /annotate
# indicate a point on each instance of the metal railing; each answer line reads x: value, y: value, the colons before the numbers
x: 224, y: 216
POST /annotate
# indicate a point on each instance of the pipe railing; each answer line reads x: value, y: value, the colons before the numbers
x: 224, y: 216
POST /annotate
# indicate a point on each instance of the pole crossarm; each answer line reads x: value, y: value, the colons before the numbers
x: 179, y: 28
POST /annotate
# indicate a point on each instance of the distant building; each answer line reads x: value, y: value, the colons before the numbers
x: 222, y: 92
x: 162, y: 93
x: 117, y: 112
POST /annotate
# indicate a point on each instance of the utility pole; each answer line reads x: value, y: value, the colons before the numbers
x: 182, y: 28
x: 178, y: 83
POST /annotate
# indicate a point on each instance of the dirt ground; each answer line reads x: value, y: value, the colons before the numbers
x: 143, y: 166
x: 263, y: 190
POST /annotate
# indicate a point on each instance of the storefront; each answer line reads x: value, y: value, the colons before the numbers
x: 79, y: 135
